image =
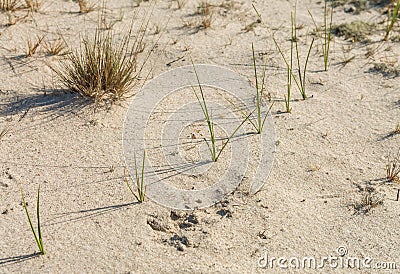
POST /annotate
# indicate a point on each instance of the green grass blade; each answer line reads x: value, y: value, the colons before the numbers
x: 142, y: 193
x: 305, y: 68
x: 204, y: 108
x: 230, y: 137
x: 266, y: 115
x: 38, y: 221
x: 393, y: 20
x: 287, y: 64
x: 129, y: 186
x: 29, y: 220
x: 241, y: 111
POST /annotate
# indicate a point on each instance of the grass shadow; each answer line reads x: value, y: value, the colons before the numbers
x: 86, y: 213
x: 49, y: 103
x: 17, y: 259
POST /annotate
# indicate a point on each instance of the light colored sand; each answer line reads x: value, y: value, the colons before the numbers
x: 329, y: 149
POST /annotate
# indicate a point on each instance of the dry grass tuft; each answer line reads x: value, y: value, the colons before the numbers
x: 368, y: 202
x: 57, y: 47
x: 103, y: 69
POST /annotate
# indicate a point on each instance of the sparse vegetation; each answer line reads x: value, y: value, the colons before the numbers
x: 15, y: 5
x: 37, y: 234
x: 33, y: 5
x: 10, y: 5
x: 204, y: 8
x: 327, y: 34
x: 397, y: 129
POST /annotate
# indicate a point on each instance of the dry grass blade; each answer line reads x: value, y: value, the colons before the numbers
x: 33, y: 5
x: 393, y: 168
x: 33, y: 45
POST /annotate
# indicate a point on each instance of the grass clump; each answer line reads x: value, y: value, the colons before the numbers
x: 102, y: 68
x: 37, y: 234
x: 139, y: 180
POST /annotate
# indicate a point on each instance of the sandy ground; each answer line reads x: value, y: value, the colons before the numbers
x: 331, y: 150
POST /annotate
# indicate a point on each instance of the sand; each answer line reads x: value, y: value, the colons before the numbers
x: 331, y: 151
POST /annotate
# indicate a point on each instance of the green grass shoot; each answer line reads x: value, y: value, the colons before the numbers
x: 215, y: 154
x: 393, y: 20
x: 259, y: 95
x: 37, y: 234
x: 139, y: 180
x: 327, y: 33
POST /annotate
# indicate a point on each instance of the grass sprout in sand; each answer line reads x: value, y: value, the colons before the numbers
x: 37, y: 234
x: 212, y: 142
x: 259, y: 95
x: 139, y: 180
